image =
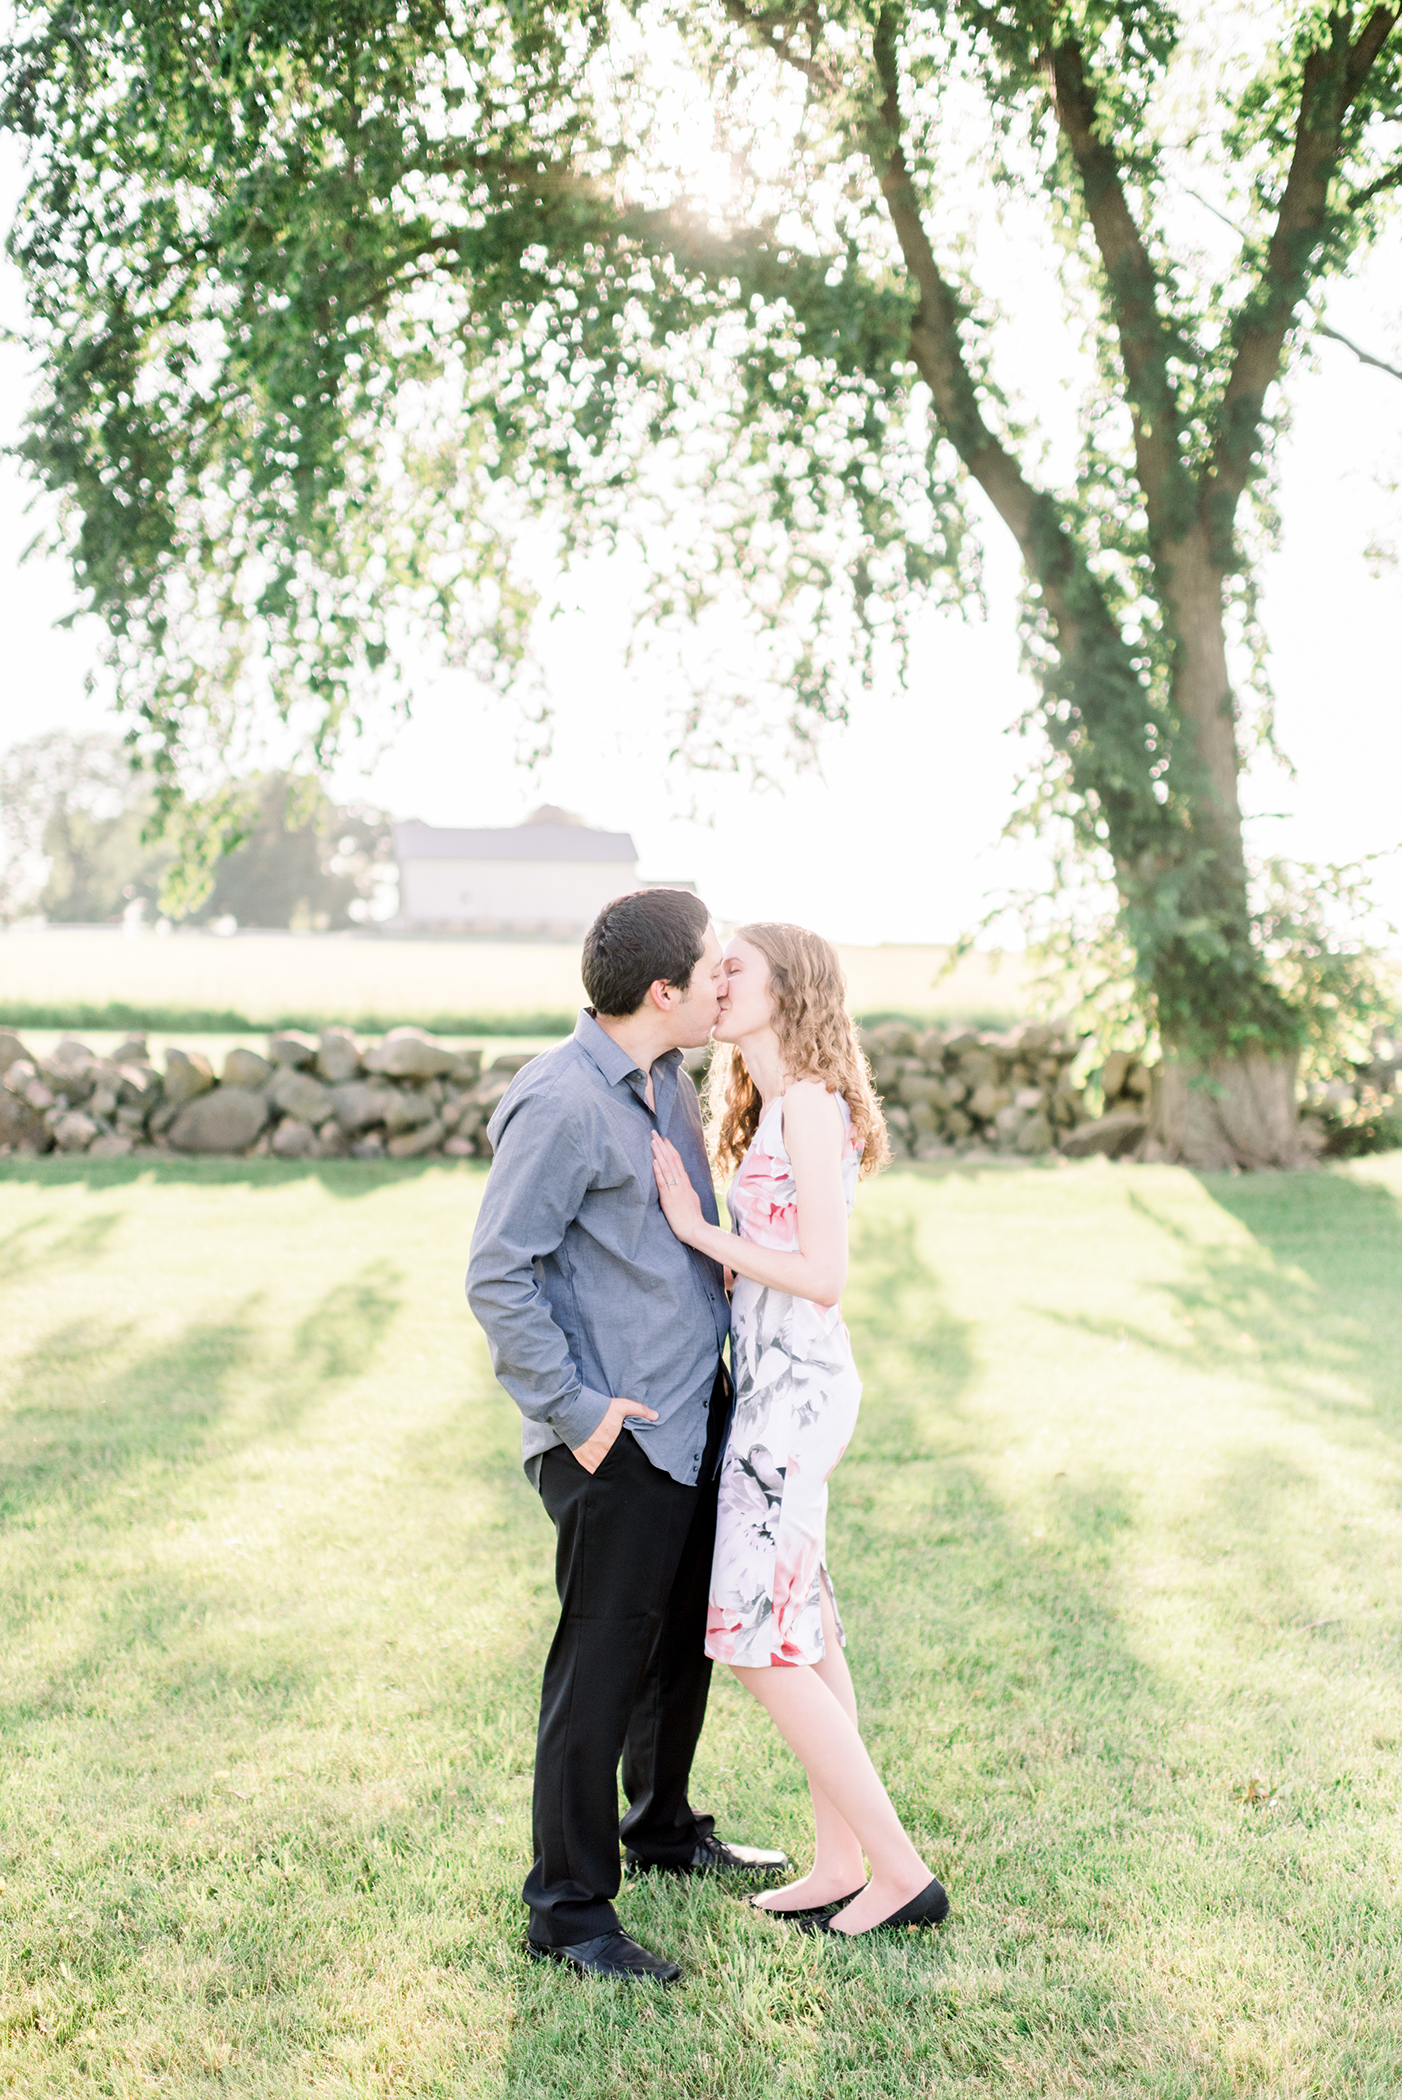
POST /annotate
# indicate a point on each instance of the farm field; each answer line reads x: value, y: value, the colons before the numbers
x: 338, y: 977
x: 1119, y: 1548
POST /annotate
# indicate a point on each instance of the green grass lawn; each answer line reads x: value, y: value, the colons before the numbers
x: 1118, y: 1547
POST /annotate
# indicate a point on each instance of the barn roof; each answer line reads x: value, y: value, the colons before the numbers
x: 528, y: 841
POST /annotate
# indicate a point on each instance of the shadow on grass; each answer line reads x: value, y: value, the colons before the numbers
x: 1030, y: 1750
x: 340, y: 1335
x: 1308, y: 1304
x: 88, y: 1413
x: 502, y: 1548
x: 21, y: 1252
x: 342, y: 1178
x: 152, y: 1628
x: 1333, y: 1244
x: 916, y: 1356
x: 1251, y: 1518
x: 1311, y: 1304
x: 93, y: 1437
x: 1304, y: 1305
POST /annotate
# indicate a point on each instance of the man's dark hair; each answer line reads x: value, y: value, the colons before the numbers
x: 637, y: 939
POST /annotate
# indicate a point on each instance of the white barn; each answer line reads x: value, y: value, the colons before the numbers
x: 547, y: 877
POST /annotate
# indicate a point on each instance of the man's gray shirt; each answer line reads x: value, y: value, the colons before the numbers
x: 584, y: 1291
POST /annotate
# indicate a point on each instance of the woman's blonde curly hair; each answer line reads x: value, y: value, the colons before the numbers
x: 817, y: 1040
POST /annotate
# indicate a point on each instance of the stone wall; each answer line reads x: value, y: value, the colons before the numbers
x: 409, y: 1096
x: 950, y: 1093
x: 310, y: 1097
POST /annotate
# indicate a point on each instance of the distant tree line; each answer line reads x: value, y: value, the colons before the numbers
x: 77, y: 845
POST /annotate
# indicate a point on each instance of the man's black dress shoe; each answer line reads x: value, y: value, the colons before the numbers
x: 712, y: 1856
x: 928, y: 1908
x: 613, y: 1956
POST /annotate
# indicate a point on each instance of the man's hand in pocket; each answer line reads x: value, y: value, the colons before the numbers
x: 592, y: 1454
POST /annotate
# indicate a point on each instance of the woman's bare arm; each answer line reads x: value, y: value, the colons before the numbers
x: 814, y: 1136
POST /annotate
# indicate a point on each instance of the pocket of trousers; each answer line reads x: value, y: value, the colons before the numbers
x: 614, y: 1453
x: 607, y: 1461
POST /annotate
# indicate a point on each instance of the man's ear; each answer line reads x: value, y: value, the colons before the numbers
x: 659, y: 991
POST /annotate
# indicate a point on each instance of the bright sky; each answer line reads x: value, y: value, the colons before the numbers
x: 894, y: 835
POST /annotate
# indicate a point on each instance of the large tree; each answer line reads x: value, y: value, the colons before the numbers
x: 72, y: 822
x: 77, y: 845
x: 301, y: 861
x: 331, y: 297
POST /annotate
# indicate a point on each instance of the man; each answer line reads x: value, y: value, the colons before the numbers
x: 607, y: 1332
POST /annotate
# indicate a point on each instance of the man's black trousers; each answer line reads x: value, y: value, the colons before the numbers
x: 627, y: 1676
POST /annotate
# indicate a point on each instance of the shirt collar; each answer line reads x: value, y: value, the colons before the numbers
x: 612, y: 1060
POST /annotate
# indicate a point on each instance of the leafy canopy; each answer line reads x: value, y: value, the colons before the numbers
x: 337, y: 304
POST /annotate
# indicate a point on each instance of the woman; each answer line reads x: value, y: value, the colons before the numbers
x: 793, y: 1106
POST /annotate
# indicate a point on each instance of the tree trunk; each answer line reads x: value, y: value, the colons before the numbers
x: 1180, y: 872
x: 1228, y: 1113
x: 1192, y: 589
x: 1233, y: 1108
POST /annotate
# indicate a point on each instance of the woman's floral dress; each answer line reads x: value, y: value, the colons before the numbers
x: 796, y: 1398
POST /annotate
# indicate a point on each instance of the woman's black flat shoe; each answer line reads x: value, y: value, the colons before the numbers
x: 928, y: 1908
x: 815, y: 1910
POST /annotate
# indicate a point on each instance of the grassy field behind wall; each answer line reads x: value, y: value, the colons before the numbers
x: 1119, y: 1546
x: 64, y: 976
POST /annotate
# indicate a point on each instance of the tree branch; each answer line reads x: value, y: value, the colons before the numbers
x: 1389, y: 181
x: 1320, y: 327
x: 1371, y: 38
x: 1364, y: 357
x: 1333, y: 76
x: 1132, y: 283
x: 775, y: 33
x: 544, y: 177
x: 1070, y: 593
x: 934, y: 335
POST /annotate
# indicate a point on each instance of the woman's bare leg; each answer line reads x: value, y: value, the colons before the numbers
x: 838, y: 1867
x: 813, y: 1721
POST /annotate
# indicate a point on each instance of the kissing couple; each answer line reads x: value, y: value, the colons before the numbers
x: 686, y: 1531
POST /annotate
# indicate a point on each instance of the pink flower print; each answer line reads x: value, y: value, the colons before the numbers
x: 795, y: 1562
x: 797, y: 1394
x: 723, y: 1628
x: 837, y: 1461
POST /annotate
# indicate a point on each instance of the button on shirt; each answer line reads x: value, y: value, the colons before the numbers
x: 584, y: 1290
